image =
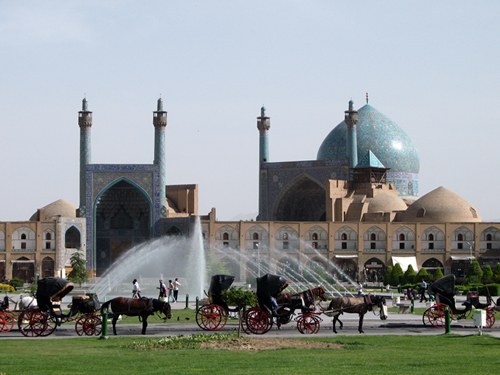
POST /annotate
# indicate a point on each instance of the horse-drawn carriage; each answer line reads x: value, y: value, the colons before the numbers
x: 48, y: 315
x: 444, y: 291
x: 213, y: 315
x: 279, y: 307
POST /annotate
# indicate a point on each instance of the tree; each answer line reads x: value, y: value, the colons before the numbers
x: 78, y: 273
x: 487, y: 274
x: 388, y: 276
x: 409, y: 275
x: 474, y: 272
x: 396, y: 275
x: 422, y: 274
x: 496, y: 273
x: 438, y: 273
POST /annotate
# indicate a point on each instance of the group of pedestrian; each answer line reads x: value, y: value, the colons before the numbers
x: 169, y: 292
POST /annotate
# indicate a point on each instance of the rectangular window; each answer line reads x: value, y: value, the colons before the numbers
x: 401, y: 246
x: 286, y: 245
x: 344, y: 245
x: 460, y: 245
x: 431, y: 245
x: 373, y: 245
x: 23, y: 245
x: 255, y: 245
x: 47, y: 245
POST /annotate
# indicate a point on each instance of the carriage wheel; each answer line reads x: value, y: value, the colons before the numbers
x: 32, y: 322
x: 211, y: 317
x: 51, y: 326
x: 90, y: 325
x: 308, y: 323
x: 436, y: 316
x: 490, y: 317
x: 258, y: 321
x: 243, y: 322
x: 7, y: 321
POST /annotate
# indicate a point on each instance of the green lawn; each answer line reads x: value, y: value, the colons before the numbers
x: 445, y: 354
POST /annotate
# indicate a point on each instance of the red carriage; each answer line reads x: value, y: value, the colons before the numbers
x: 276, y: 307
x: 213, y: 315
x: 444, y: 290
x: 48, y: 315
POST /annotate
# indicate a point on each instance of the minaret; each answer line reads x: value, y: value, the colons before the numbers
x: 263, y: 124
x: 85, y: 123
x: 351, y: 119
x: 160, y: 123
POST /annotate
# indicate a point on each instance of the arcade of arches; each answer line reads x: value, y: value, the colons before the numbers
x: 353, y: 250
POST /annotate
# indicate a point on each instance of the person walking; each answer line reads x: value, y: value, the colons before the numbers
x: 423, y: 288
x: 170, y: 291
x: 177, y: 284
x: 136, y: 290
x: 163, y: 290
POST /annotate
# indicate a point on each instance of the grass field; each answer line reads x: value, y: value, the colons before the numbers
x: 445, y: 354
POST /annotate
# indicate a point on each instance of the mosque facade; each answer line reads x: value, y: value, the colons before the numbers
x: 355, y: 207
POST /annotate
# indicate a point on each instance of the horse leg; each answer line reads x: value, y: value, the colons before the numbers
x: 360, y: 327
x: 144, y: 324
x: 115, y: 319
x: 335, y: 318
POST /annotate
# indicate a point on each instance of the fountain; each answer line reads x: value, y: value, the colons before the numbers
x: 299, y: 277
x: 164, y: 258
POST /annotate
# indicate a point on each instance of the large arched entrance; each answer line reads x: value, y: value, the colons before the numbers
x: 122, y: 220
x: 304, y: 201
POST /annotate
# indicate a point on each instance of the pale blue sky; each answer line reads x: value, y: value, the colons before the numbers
x: 432, y: 67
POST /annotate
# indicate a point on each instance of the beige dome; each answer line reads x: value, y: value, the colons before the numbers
x: 441, y: 205
x: 53, y: 210
x: 385, y: 201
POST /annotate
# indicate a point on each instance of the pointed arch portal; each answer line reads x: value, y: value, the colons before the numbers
x: 304, y: 201
x: 122, y: 220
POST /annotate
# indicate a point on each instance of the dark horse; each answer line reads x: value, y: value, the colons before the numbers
x: 142, y: 307
x: 357, y: 305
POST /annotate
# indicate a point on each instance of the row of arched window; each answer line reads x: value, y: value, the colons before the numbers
x: 24, y: 239
x: 433, y: 238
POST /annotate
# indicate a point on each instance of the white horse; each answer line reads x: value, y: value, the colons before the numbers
x: 27, y: 302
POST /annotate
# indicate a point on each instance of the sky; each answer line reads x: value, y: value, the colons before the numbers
x: 432, y: 67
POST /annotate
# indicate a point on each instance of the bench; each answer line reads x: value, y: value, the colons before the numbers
x: 403, y: 307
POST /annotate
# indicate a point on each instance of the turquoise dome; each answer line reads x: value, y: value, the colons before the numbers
x: 390, y: 144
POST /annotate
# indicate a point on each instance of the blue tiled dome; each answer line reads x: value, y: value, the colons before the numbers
x: 388, y: 142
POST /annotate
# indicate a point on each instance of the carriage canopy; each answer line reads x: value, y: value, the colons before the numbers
x: 52, y: 289
x: 444, y: 286
x: 218, y: 284
x: 269, y: 286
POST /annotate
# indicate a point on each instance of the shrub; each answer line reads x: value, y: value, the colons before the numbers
x: 7, y: 288
x: 489, y: 290
x: 16, y: 283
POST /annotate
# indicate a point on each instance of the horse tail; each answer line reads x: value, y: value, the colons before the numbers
x: 104, y: 306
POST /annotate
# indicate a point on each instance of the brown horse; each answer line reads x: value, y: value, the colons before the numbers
x: 142, y: 307
x: 356, y: 305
